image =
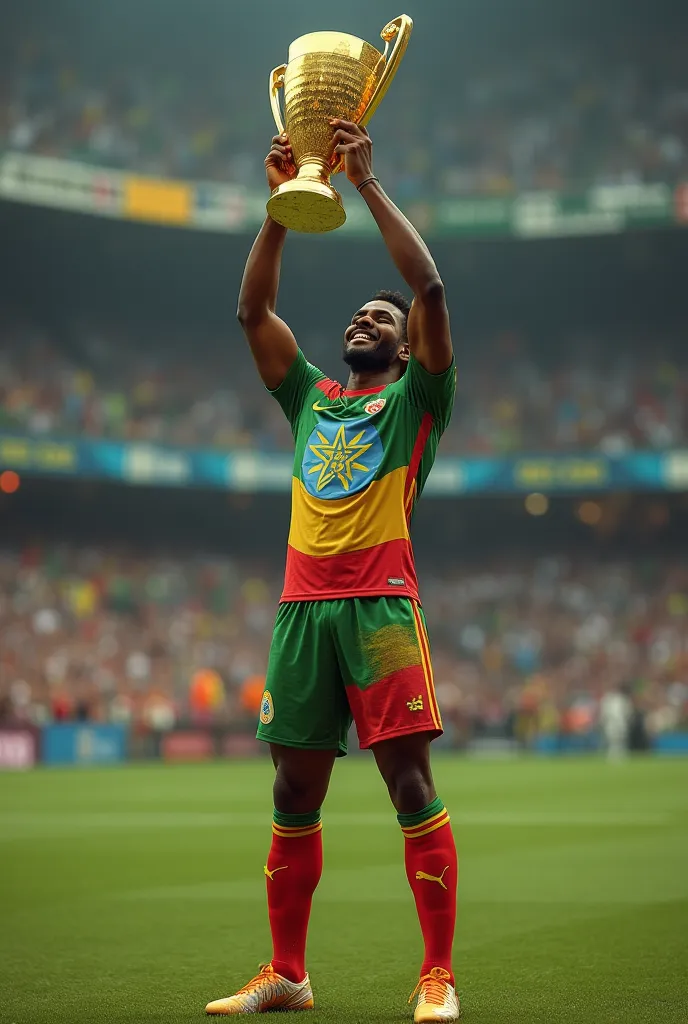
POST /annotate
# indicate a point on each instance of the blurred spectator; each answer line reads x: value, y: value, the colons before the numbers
x: 521, y: 648
x: 616, y: 712
x: 561, y: 115
x: 608, y: 393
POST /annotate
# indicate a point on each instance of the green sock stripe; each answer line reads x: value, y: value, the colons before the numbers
x: 409, y: 820
x: 296, y: 820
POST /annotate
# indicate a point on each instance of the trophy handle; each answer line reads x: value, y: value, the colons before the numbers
x: 276, y: 83
x: 400, y: 27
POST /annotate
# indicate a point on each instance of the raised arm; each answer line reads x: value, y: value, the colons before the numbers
x: 429, y: 334
x: 272, y: 343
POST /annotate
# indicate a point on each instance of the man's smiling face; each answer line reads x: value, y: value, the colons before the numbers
x: 374, y: 337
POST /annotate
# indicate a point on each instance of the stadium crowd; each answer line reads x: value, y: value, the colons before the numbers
x: 595, y: 393
x: 557, y: 116
x: 520, y: 647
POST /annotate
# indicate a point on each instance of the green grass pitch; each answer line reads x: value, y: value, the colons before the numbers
x: 136, y: 894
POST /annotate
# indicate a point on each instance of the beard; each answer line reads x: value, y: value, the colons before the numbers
x: 370, y: 360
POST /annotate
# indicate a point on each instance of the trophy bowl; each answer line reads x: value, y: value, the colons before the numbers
x: 329, y: 74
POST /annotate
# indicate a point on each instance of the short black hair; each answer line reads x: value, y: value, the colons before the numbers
x: 395, y: 299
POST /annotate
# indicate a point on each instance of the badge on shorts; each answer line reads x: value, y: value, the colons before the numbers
x: 373, y: 407
x: 267, y: 710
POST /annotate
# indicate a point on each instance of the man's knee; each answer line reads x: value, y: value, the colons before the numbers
x: 410, y: 788
x: 404, y: 764
x: 302, y: 778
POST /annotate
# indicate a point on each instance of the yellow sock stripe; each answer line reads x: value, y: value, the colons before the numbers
x: 411, y: 829
x: 296, y: 833
x: 427, y: 671
x: 407, y: 829
x: 431, y: 828
x: 296, y: 828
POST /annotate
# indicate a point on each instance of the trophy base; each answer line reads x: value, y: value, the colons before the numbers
x: 306, y: 205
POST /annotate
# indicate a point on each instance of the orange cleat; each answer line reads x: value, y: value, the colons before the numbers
x: 437, y: 999
x: 267, y: 991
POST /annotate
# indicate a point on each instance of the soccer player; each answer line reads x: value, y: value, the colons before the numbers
x: 350, y: 638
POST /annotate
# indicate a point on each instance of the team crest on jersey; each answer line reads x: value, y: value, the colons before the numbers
x: 267, y: 708
x: 373, y: 407
x: 341, y: 458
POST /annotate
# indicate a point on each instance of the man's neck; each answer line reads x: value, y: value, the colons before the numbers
x: 369, y: 381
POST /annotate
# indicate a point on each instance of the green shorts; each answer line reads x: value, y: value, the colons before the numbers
x: 365, y: 659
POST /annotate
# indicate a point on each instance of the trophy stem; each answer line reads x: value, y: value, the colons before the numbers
x: 314, y: 169
x: 308, y: 202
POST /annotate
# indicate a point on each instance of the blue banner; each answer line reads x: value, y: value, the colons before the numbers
x: 671, y: 743
x: 248, y: 471
x: 84, y: 744
x: 573, y: 473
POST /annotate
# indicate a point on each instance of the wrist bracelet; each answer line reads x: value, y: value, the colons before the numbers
x: 367, y: 181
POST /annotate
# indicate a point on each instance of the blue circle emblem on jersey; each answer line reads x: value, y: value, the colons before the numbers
x: 341, y: 458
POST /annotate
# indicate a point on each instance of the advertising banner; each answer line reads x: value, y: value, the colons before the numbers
x: 242, y: 745
x: 251, y: 472
x: 18, y: 748
x: 220, y: 206
x: 671, y: 744
x: 84, y: 744
x: 187, y: 746
x: 165, y: 202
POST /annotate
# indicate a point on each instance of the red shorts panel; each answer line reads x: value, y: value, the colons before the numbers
x: 402, y: 704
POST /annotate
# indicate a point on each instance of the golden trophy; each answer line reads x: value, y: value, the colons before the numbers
x: 329, y: 74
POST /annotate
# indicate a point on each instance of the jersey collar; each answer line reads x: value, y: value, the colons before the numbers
x: 366, y: 391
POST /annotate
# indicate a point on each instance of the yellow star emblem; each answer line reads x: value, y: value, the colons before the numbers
x: 338, y: 458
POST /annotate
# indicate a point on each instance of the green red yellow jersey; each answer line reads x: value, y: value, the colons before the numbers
x: 360, y: 464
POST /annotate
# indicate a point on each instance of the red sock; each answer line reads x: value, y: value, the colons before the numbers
x: 292, y: 873
x: 432, y: 872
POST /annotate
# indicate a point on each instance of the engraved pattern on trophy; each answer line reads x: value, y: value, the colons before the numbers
x: 319, y: 86
x: 329, y: 74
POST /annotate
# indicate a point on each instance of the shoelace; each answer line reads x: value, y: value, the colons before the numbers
x: 266, y: 971
x: 436, y: 982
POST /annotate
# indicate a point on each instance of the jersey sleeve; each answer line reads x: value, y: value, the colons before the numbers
x: 291, y: 394
x: 431, y: 392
